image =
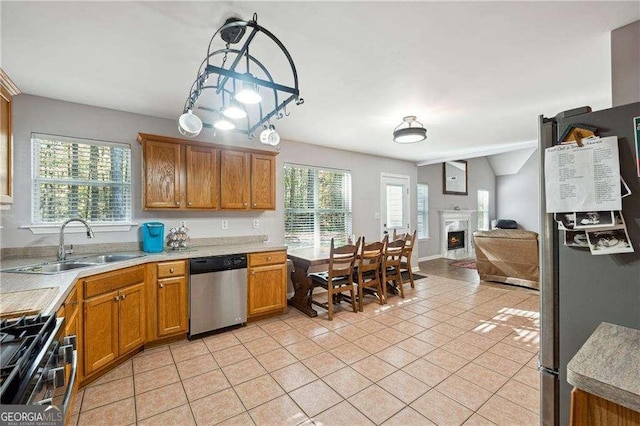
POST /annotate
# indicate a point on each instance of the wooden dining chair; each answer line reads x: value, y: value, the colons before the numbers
x: 405, y: 262
x: 391, y: 267
x: 338, y: 278
x: 368, y: 270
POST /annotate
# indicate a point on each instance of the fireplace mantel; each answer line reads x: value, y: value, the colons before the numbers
x: 455, y: 220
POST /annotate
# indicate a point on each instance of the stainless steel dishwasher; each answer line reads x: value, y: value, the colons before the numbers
x: 217, y: 292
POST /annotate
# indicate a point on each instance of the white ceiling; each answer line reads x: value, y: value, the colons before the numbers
x: 477, y: 74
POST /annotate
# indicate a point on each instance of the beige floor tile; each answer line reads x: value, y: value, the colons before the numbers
x: 334, y: 324
x: 231, y: 355
x: 437, y: 315
x: 402, y: 313
x: 415, y: 346
x: 248, y: 334
x: 280, y: 411
x: 178, y: 416
x: 116, y: 413
x: 492, y: 330
x: 433, y: 338
x: 350, y: 316
x: 312, y: 330
x: 342, y: 414
x: 478, y: 420
x: 511, y: 352
x: 347, y: 382
x: 217, y: 407
x: 109, y: 392
x: 505, y: 413
x: 408, y: 328
x: 499, y: 364
x: 258, y: 391
x: 371, y: 343
x: 463, y: 391
x: 221, y: 341
x: 388, y: 319
x: 288, y: 337
x: 440, y: 409
x: 445, y: 359
x: 392, y: 335
x: 427, y: 372
x: 157, y: 378
x: 188, y: 350
x: 397, y: 357
x: 152, y: 361
x: 526, y: 339
x: 329, y: 340
x: 159, y: 400
x: 198, y: 365
x: 274, y: 327
x: 262, y: 345
x: 370, y: 325
x: 462, y: 323
x: 77, y: 402
x: 305, y: 349
x: 416, y: 308
x: 464, y: 350
x: 423, y: 321
x: 351, y: 332
x: 243, y: 371
x: 476, y: 340
x: 150, y: 351
x: 447, y: 330
x: 528, y: 376
x: 293, y: 376
x: 73, y: 420
x: 243, y: 419
x: 349, y: 353
x: 523, y: 395
x: 376, y: 403
x: 324, y: 363
x: 123, y: 370
x: 404, y: 386
x: 205, y: 384
x: 277, y: 359
x: 315, y: 397
x: 408, y: 417
x: 373, y: 368
x: 482, y: 376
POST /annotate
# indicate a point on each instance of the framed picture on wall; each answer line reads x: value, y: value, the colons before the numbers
x: 455, y: 177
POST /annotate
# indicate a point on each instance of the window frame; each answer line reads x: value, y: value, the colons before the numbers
x: 38, y: 226
x: 424, y: 213
x: 487, y: 221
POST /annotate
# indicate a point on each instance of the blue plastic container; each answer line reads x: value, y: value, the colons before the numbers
x: 152, y: 237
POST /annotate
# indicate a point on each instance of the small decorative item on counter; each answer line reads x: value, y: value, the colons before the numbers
x: 178, y: 238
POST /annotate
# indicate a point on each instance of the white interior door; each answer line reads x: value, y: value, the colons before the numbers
x: 394, y: 209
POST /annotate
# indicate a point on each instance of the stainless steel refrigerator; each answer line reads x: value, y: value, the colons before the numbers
x: 578, y: 291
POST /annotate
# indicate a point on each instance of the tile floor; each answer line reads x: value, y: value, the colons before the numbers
x: 452, y: 352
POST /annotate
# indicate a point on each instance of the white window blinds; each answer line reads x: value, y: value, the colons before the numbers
x: 423, y: 210
x: 483, y: 210
x: 80, y: 178
x: 317, y: 205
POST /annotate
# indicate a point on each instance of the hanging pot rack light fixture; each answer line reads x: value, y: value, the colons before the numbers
x: 239, y: 104
x: 409, y: 131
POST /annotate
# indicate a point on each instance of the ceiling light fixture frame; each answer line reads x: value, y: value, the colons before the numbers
x: 406, y: 132
x: 228, y: 78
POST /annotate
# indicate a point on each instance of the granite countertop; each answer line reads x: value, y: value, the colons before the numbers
x: 14, y: 282
x: 608, y: 365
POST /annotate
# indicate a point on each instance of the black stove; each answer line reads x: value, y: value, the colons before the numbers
x: 29, y: 353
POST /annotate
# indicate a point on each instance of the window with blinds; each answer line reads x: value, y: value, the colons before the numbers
x: 483, y: 210
x: 80, y: 178
x: 317, y: 205
x: 423, y: 210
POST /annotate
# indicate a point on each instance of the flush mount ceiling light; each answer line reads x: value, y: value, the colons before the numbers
x: 241, y: 78
x: 409, y: 131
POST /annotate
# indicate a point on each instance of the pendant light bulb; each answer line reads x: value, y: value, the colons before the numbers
x: 221, y: 123
x: 248, y: 95
x: 234, y: 111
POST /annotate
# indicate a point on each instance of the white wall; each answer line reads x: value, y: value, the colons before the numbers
x: 481, y: 176
x: 43, y: 115
x: 517, y: 196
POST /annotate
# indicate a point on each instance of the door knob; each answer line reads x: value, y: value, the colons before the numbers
x: 161, y: 285
x: 171, y: 270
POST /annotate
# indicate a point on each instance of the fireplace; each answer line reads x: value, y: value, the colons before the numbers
x: 455, y: 240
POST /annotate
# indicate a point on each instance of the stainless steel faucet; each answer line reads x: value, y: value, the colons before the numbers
x: 62, y: 253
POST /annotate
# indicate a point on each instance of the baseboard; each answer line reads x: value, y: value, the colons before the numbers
x: 435, y: 256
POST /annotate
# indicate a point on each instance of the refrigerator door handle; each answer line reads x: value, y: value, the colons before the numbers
x: 547, y: 370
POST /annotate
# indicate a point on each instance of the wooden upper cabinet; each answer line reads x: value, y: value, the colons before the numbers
x: 7, y: 91
x: 234, y: 180
x: 202, y: 177
x: 162, y: 166
x: 263, y: 191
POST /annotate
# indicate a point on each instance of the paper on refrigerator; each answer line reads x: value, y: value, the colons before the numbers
x: 580, y: 179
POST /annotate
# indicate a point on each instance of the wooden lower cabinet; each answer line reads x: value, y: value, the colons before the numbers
x: 591, y: 410
x: 172, y: 306
x: 267, y: 284
x: 114, y: 317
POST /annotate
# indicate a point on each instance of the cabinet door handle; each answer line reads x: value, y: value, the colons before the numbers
x: 177, y: 203
x: 171, y: 270
x: 255, y: 204
x: 124, y: 296
x: 116, y: 298
x: 253, y: 273
x: 189, y: 203
x: 74, y: 303
x: 244, y: 204
x: 268, y: 258
x: 161, y: 285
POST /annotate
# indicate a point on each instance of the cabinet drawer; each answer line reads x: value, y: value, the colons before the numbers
x: 110, y: 281
x: 267, y: 258
x: 172, y: 269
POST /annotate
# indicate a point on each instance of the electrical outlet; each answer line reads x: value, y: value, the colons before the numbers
x: 225, y: 224
x: 256, y: 223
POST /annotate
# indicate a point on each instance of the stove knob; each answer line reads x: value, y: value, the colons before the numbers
x: 66, y: 353
x: 55, y: 377
x: 46, y: 401
x: 70, y: 340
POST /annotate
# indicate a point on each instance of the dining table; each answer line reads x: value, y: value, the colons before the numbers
x: 304, y: 259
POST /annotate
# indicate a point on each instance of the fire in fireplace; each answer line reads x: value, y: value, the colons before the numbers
x: 455, y: 240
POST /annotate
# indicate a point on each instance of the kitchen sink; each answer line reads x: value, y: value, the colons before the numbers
x: 108, y: 258
x: 67, y: 265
